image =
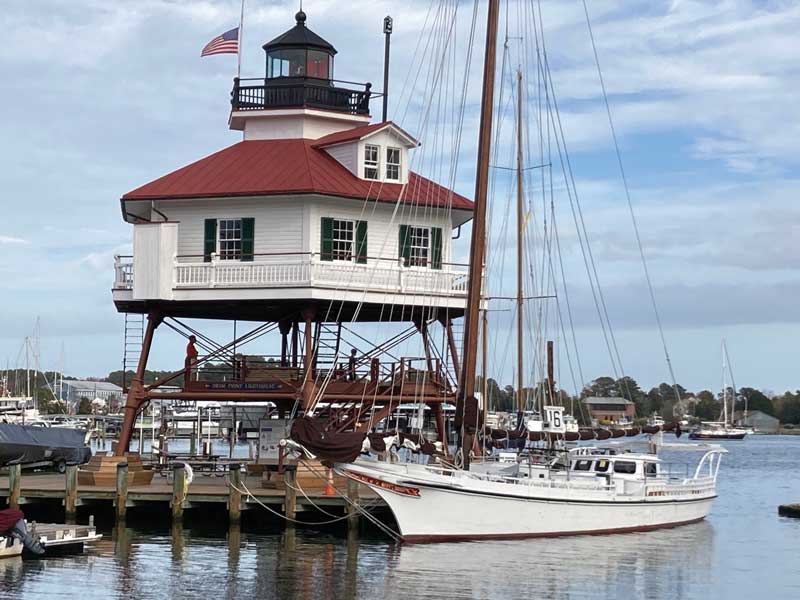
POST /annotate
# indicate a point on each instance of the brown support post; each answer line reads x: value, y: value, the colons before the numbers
x: 441, y: 429
x: 295, y: 342
x: 136, y: 393
x: 422, y: 327
x: 122, y: 491
x: 551, y: 382
x: 285, y: 326
x: 308, y: 377
x: 71, y: 493
x: 14, y: 482
x: 451, y: 344
x: 234, y: 493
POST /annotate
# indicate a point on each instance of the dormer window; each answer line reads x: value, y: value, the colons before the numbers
x: 371, y: 161
x: 393, y: 164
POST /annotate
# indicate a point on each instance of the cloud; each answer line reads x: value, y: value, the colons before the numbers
x: 7, y: 239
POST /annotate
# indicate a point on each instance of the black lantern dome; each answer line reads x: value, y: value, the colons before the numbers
x: 299, y: 52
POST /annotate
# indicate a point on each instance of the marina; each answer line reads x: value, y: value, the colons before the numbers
x: 381, y: 338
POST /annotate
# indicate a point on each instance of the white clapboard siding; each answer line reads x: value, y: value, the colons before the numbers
x: 278, y: 222
x: 347, y: 155
x: 383, y: 229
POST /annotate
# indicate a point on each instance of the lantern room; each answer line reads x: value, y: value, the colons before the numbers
x: 299, y: 53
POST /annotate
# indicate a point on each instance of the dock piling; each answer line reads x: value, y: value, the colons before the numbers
x: 290, y: 495
x: 352, y: 505
x: 178, y: 492
x: 122, y: 490
x: 234, y: 493
x: 71, y: 492
x: 14, y: 481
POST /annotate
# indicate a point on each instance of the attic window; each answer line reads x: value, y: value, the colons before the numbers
x: 393, y: 164
x: 371, y: 154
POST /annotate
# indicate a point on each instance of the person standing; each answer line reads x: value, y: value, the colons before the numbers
x: 191, y: 359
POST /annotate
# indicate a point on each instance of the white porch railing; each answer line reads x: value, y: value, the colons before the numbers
x: 275, y: 271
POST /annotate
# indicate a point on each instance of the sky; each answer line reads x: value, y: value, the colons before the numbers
x: 101, y: 97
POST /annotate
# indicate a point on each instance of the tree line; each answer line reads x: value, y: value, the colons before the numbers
x: 665, y: 399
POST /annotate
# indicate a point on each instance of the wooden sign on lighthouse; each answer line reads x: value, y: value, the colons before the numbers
x: 309, y: 228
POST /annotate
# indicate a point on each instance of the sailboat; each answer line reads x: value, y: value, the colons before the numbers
x: 724, y: 429
x: 586, y: 490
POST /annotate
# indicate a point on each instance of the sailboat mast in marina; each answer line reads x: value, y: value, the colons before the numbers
x: 586, y: 489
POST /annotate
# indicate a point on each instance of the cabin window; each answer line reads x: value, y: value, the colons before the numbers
x: 650, y: 470
x: 601, y: 466
x: 393, y: 164
x: 343, y: 239
x: 582, y: 465
x: 371, y: 161
x: 229, y: 239
x: 625, y: 467
x: 421, y: 246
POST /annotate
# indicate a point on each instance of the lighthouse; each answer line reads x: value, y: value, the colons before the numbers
x: 311, y: 226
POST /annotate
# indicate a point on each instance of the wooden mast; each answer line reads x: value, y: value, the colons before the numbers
x: 520, y: 229
x: 478, y: 238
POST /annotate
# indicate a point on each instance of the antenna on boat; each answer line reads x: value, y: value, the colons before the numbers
x: 478, y: 240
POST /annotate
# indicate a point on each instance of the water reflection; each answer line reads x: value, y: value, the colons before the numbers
x: 654, y: 564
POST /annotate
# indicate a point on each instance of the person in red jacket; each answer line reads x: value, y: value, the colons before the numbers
x: 12, y: 522
x: 191, y: 359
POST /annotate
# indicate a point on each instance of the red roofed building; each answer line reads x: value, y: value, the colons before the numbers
x: 312, y: 220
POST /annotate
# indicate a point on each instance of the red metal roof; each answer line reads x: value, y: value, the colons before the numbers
x: 350, y: 135
x: 289, y: 166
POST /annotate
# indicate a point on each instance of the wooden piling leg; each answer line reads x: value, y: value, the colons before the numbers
x: 71, y: 493
x: 290, y: 497
x: 234, y: 495
x: 122, y: 490
x: 14, y: 481
x: 178, y: 485
x: 352, y: 506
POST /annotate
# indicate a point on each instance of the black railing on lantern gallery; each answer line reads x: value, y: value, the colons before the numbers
x: 290, y: 92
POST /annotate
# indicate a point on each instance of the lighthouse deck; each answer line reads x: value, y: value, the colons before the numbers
x: 291, y: 276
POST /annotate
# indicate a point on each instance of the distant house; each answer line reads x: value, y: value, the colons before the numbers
x: 610, y: 409
x: 760, y: 421
x: 75, y: 389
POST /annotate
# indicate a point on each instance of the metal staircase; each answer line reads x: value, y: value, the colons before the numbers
x: 132, y: 349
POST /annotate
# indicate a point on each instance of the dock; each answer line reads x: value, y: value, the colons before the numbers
x: 232, y: 491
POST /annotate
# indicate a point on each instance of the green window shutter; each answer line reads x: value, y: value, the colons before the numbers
x: 405, y: 244
x: 326, y: 244
x: 361, y: 242
x: 248, y: 233
x: 436, y: 247
x: 210, y: 239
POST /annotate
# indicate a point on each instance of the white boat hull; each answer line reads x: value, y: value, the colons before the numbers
x: 426, y: 511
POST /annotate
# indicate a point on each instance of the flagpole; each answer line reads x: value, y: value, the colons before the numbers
x: 241, y: 36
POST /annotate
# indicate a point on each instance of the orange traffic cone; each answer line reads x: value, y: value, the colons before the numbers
x: 329, y: 489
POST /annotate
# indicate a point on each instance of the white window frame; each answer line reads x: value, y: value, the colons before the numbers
x: 412, y: 231
x: 237, y: 253
x: 394, y: 165
x: 370, y: 163
x: 351, y: 229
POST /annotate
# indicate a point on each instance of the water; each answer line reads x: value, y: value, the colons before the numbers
x: 744, y: 550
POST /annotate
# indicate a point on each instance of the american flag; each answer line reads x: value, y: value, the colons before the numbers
x: 227, y: 43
